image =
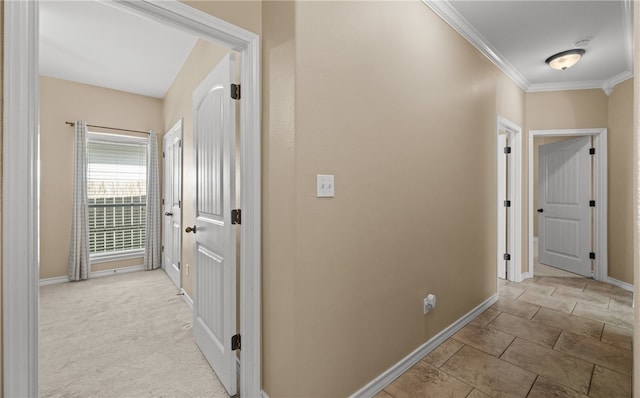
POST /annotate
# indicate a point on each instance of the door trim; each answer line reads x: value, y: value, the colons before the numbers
x: 20, y: 184
x: 514, y: 271
x: 600, y: 195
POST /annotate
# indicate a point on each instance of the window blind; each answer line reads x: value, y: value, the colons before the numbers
x: 116, y: 193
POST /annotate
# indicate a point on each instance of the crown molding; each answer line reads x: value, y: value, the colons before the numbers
x: 451, y: 16
x: 617, y: 79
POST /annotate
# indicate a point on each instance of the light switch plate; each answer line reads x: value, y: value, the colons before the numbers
x: 325, y: 186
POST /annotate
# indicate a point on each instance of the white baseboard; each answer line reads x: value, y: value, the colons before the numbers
x: 263, y: 394
x: 97, y: 274
x: 380, y: 382
x: 54, y: 281
x: 187, y: 299
x: 524, y: 276
x: 114, y: 271
x: 624, y: 285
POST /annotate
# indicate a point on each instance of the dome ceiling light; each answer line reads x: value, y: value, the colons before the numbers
x: 565, y: 59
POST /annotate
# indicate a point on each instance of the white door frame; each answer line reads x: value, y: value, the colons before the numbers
x: 514, y: 194
x: 600, y: 194
x: 20, y: 249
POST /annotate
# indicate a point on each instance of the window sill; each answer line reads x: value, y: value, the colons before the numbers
x: 117, y: 256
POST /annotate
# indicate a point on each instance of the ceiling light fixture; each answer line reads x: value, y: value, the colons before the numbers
x: 566, y: 59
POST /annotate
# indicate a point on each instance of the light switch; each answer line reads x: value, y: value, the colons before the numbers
x: 325, y: 186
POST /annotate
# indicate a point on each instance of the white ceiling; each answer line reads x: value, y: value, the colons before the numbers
x: 94, y: 43
x: 519, y: 35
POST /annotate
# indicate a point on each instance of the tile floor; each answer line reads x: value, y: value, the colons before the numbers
x: 546, y: 337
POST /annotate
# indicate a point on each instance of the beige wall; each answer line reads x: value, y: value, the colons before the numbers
x: 177, y: 105
x: 594, y: 109
x: 620, y: 176
x: 412, y: 145
x: 62, y: 101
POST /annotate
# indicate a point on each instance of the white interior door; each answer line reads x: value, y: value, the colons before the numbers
x: 215, y: 253
x: 564, y: 192
x: 172, y: 203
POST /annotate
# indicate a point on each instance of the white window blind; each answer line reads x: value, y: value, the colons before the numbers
x: 116, y: 191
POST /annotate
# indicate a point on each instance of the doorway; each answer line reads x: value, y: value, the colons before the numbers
x: 20, y: 193
x: 172, y: 204
x: 509, y: 200
x: 598, y: 138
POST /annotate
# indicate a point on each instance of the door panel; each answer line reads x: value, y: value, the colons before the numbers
x: 172, y: 225
x: 215, y: 257
x: 564, y: 170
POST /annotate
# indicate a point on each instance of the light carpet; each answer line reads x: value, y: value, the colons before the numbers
x: 127, y: 335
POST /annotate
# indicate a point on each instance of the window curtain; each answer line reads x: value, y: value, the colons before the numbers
x: 152, y: 250
x: 78, y: 266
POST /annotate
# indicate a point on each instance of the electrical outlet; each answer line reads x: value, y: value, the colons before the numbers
x: 429, y: 303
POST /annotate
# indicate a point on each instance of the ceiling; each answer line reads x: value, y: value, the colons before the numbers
x: 94, y: 43
x: 519, y: 35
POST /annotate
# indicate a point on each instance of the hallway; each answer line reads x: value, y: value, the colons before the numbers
x: 545, y: 337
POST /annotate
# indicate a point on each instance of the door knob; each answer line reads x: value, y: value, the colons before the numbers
x: 168, y: 213
x: 540, y: 210
x: 190, y: 229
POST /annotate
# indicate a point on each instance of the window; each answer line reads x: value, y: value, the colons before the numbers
x: 116, y: 193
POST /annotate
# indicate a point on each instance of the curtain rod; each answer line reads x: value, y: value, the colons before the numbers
x: 109, y: 128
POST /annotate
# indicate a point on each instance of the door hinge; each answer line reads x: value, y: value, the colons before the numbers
x: 236, y: 216
x: 507, y: 203
x: 235, y: 342
x: 235, y: 91
x: 180, y: 144
x: 592, y: 256
x: 179, y: 264
x: 507, y: 150
x: 162, y: 248
x: 592, y: 203
x: 162, y: 200
x: 506, y: 257
x: 592, y: 151
x: 162, y: 154
x: 179, y: 204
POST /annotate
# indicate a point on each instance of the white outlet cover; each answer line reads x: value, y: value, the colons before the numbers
x: 325, y: 186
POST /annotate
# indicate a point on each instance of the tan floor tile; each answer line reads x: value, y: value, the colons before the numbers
x: 595, y: 351
x: 597, y: 286
x: 595, y: 299
x: 486, y: 317
x: 517, y: 308
x: 571, y: 323
x: 607, y: 383
x: 620, y: 337
x: 545, y: 388
x: 559, y: 304
x: 489, y: 374
x: 561, y: 368
x: 542, y: 290
x: 486, y: 339
x: 383, y: 394
x: 475, y: 393
x: 527, y: 329
x: 510, y: 291
x: 602, y: 315
x: 424, y: 380
x: 621, y: 305
x: 443, y: 352
x: 577, y: 283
